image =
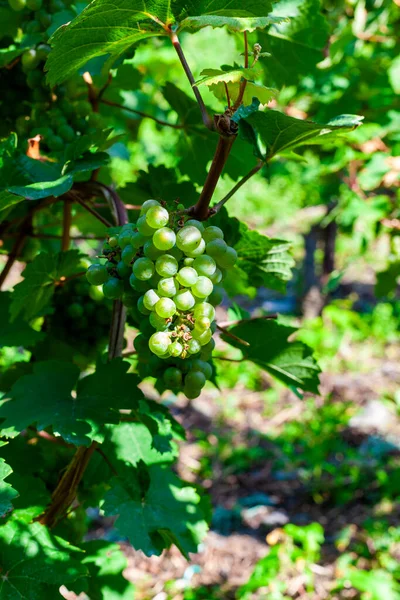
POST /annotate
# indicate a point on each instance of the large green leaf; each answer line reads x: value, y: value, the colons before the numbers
x: 44, y: 398
x: 7, y: 492
x: 106, y: 562
x: 111, y: 29
x: 297, y: 44
x: 18, y: 333
x: 34, y: 563
x: 280, y: 133
x: 218, y: 80
x: 40, y: 278
x: 156, y: 509
x: 266, y: 344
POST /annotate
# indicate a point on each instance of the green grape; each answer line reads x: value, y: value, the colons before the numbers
x: 167, y: 287
x: 44, y: 18
x: 137, y: 239
x: 164, y: 238
x: 82, y: 108
x: 75, y: 310
x: 97, y: 274
x: 143, y: 268
x: 194, y: 346
x: 202, y: 324
x: 184, y: 300
x: 216, y: 296
x: 123, y: 270
x: 151, y: 251
x: 30, y: 60
x: 125, y: 238
x: 96, y: 293
x: 188, y: 262
x: 166, y: 265
x: 188, y: 239
x: 157, y: 217
x: 195, y: 380
x: 113, y: 288
x: 165, y: 307
x: 33, y: 27
x: 159, y: 343
x: 95, y: 120
x: 187, y: 276
x: 202, y: 366
x: 17, y: 5
x: 191, y: 393
x: 150, y: 299
x: 194, y: 223
x: 212, y: 233
x: 147, y: 205
x: 216, y: 277
x: 113, y: 241
x: 144, y: 228
x: 159, y: 323
x: 141, y: 344
x: 129, y: 299
x: 204, y: 337
x: 205, y: 265
x: 207, y: 350
x: 197, y: 251
x: 203, y: 287
x: 128, y: 254
x: 141, y: 307
x: 216, y: 248
x: 33, y: 80
x: 227, y: 259
x: 204, y: 309
x: 66, y: 133
x: 137, y: 284
x: 173, y: 377
x: 175, y: 349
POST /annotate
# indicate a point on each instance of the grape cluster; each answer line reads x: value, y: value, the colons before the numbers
x: 80, y: 312
x: 57, y: 115
x: 168, y: 270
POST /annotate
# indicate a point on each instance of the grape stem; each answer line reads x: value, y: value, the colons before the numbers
x: 204, y: 114
x: 231, y: 323
x: 92, y: 211
x: 66, y: 490
x: 141, y: 114
x: 243, y: 83
x: 232, y: 335
x: 217, y: 207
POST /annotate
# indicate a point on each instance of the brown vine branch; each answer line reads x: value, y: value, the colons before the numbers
x: 92, y: 211
x: 232, y: 335
x: 201, y: 209
x: 217, y: 207
x: 237, y: 322
x: 204, y: 114
x: 235, y: 360
x: 66, y: 490
x: 141, y: 114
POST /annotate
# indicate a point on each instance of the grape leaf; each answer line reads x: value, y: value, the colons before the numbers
x: 7, y: 201
x: 297, y: 43
x: 34, y: 562
x: 7, y: 492
x: 40, y: 278
x: 156, y: 509
x: 227, y: 74
x: 18, y: 333
x: 234, y: 23
x: 279, y: 132
x: 290, y: 362
x: 44, y: 399
x: 230, y: 77
x: 105, y: 562
x: 386, y: 281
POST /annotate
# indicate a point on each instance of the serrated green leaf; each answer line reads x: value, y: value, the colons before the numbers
x: 297, y: 44
x: 40, y: 278
x: 279, y: 132
x: 290, y: 362
x: 106, y: 563
x: 245, y: 111
x: 7, y: 492
x: 156, y: 510
x: 44, y: 399
x: 89, y: 162
x: 253, y: 90
x: 43, y: 189
x: 233, y: 23
x: 18, y: 333
x: 7, y: 201
x: 227, y: 75
x: 34, y: 562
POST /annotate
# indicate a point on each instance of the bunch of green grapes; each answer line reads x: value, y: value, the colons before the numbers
x: 80, y: 313
x: 168, y: 270
x: 58, y: 115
